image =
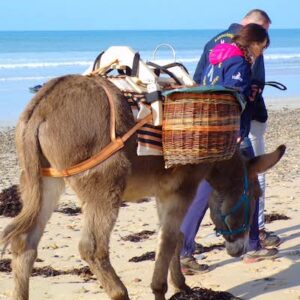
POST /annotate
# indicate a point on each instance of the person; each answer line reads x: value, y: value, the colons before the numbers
x: 197, y: 210
x: 259, y: 114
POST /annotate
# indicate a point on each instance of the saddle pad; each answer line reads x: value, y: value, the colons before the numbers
x: 149, y: 137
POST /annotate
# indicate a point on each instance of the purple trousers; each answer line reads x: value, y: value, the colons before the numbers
x: 198, y: 208
x: 194, y: 217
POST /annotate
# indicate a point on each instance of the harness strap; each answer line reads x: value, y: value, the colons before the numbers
x: 87, y: 164
x: 135, y: 65
x: 112, y: 114
x: 174, y: 64
x: 97, y: 61
x: 104, y: 69
x: 115, y: 145
x: 164, y: 70
x: 95, y: 160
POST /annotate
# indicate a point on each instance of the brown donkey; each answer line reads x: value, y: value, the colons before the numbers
x: 66, y: 123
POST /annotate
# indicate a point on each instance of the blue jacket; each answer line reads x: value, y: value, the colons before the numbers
x: 259, y: 112
x: 229, y: 68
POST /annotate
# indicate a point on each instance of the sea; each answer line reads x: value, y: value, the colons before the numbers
x: 29, y: 58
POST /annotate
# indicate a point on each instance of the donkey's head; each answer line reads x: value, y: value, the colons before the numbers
x: 236, y: 188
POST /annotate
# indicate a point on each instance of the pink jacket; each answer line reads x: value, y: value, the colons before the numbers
x: 222, y: 52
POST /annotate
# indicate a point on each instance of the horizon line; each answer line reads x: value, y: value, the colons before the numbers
x: 164, y: 29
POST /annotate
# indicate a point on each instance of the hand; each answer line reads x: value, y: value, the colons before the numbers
x: 255, y: 90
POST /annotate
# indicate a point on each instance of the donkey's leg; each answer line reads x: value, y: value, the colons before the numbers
x: 101, y: 201
x: 24, y: 248
x: 177, y: 277
x: 171, y: 213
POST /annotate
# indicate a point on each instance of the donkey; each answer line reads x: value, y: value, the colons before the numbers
x: 65, y: 123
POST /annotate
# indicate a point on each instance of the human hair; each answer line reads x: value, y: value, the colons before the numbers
x: 258, y: 16
x: 251, y: 33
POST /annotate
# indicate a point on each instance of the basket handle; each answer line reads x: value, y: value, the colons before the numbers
x: 163, y: 45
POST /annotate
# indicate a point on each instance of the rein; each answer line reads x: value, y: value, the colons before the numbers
x: 276, y: 85
x: 244, y: 200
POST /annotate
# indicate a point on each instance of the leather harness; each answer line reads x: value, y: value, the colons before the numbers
x: 116, y: 144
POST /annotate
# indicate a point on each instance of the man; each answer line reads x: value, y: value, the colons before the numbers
x: 258, y: 248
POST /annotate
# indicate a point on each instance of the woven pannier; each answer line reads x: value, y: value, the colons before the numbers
x: 199, y: 127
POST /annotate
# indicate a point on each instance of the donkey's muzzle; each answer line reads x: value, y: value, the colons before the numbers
x: 236, y: 248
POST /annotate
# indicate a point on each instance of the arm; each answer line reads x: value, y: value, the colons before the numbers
x: 238, y: 75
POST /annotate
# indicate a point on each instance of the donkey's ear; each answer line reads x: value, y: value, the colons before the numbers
x: 264, y: 162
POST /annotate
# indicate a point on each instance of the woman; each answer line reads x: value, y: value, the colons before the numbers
x: 230, y: 66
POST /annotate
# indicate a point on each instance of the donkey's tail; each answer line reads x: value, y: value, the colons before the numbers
x: 29, y: 153
x: 30, y: 183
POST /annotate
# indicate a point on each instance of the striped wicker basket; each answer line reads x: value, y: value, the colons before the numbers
x: 199, y: 127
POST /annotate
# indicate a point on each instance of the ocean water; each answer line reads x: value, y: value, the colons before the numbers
x: 32, y: 57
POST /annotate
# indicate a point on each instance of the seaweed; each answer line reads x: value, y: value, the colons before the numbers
x: 137, y: 237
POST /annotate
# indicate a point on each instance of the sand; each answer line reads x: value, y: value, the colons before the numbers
x: 275, y: 279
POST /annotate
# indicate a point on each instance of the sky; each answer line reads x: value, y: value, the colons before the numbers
x: 140, y: 14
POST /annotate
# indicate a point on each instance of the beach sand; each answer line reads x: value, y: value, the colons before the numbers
x: 273, y: 279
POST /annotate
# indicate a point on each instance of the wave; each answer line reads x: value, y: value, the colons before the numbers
x: 290, y: 56
x: 274, y: 58
x: 34, y: 65
x: 42, y: 78
x: 178, y: 59
x: 271, y: 57
x: 182, y: 58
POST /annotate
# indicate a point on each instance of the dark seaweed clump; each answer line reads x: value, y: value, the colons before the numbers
x: 70, y: 211
x: 146, y: 256
x: 10, y: 201
x: 137, y: 237
x: 275, y: 217
x: 203, y: 294
x: 48, y: 271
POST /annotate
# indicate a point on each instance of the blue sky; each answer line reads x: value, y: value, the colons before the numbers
x: 139, y: 14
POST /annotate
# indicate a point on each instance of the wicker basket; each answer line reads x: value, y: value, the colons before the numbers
x: 199, y: 127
